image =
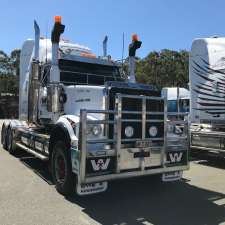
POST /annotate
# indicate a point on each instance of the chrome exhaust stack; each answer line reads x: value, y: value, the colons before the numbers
x: 132, y: 60
x: 34, y: 82
x: 54, y: 89
x: 36, y: 41
x: 58, y: 29
x: 105, y: 46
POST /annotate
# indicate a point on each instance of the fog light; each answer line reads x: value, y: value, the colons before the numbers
x: 96, y: 130
x: 129, y: 131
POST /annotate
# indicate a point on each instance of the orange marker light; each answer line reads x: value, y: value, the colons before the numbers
x: 134, y: 37
x: 58, y: 19
x: 88, y: 55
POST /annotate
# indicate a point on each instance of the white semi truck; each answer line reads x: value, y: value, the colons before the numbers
x: 207, y: 87
x: 78, y: 113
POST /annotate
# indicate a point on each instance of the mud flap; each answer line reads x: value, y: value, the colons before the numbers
x: 92, y: 188
x: 172, y: 176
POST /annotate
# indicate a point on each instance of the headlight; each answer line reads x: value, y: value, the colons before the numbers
x: 129, y: 131
x: 153, y: 131
x: 96, y: 130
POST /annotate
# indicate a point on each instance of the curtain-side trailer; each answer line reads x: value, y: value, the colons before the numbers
x: 207, y: 86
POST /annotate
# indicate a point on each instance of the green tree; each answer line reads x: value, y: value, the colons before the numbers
x: 15, y: 59
x: 9, y: 72
x: 164, y: 68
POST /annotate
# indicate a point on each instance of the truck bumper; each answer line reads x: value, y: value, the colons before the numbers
x: 124, y: 175
x: 147, y: 155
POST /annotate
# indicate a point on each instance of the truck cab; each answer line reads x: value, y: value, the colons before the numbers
x: 92, y: 125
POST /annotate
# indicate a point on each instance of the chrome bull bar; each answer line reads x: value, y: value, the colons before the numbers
x: 117, y: 139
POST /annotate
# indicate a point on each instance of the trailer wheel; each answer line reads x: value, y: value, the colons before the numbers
x: 62, y: 174
x: 3, y: 137
x: 10, y: 142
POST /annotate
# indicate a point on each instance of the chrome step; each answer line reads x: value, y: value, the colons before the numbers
x: 36, y: 154
x: 207, y: 149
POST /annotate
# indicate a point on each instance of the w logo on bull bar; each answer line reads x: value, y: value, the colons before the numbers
x: 100, y: 164
x: 175, y: 157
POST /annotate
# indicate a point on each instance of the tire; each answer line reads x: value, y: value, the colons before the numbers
x: 10, y: 142
x: 3, y: 137
x: 64, y: 179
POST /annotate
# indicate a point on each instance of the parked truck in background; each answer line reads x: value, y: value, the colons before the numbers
x: 78, y: 113
x: 207, y: 87
x: 178, y: 99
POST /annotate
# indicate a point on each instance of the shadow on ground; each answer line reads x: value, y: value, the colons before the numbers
x: 145, y: 201
x: 37, y: 166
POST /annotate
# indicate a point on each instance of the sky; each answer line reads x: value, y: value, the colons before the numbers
x: 160, y: 24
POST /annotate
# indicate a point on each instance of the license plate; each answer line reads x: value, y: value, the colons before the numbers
x: 141, y: 154
x: 143, y: 144
x: 86, y: 189
x: 172, y: 176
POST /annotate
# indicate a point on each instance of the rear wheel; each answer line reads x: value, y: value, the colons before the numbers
x: 3, y: 137
x: 62, y: 174
x: 10, y: 142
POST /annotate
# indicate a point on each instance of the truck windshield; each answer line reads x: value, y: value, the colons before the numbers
x: 73, y: 72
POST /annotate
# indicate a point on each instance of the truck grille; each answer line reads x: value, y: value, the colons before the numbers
x: 133, y: 104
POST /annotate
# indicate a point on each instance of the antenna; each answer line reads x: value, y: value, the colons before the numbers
x: 123, y: 48
x: 46, y: 42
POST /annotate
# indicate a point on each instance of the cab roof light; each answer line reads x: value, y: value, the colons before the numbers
x: 134, y: 45
x: 134, y: 37
x: 58, y: 29
x: 58, y: 19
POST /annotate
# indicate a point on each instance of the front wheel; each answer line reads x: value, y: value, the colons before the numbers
x: 61, y: 166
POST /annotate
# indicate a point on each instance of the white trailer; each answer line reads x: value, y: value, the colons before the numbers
x: 78, y: 113
x: 207, y: 85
